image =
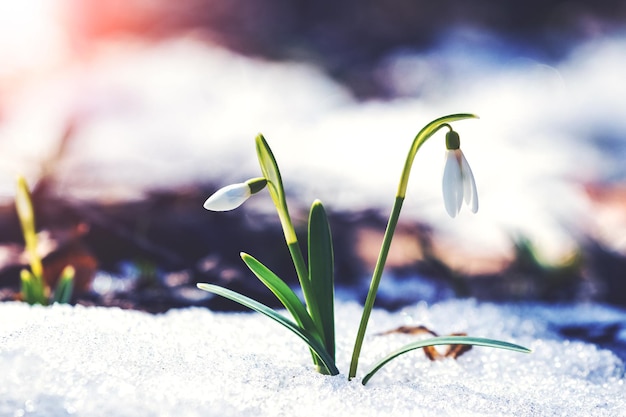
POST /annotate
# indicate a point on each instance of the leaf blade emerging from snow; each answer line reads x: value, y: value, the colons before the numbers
x: 282, y: 291
x: 303, y: 334
x: 444, y: 340
x: 321, y: 274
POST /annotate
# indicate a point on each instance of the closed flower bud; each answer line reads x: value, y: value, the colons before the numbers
x: 234, y: 195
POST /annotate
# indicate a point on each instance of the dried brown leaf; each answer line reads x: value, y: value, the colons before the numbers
x: 452, y: 351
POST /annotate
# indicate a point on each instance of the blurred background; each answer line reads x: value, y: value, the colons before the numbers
x: 124, y: 116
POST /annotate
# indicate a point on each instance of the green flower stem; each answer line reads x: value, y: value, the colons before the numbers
x: 423, y: 135
x: 271, y: 173
x: 285, y: 220
x: 301, y: 268
x: 371, y: 294
x: 302, y: 271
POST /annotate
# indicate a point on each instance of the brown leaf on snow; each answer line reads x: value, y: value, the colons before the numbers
x: 452, y: 351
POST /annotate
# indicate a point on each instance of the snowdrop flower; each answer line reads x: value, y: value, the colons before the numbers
x: 458, y: 180
x: 234, y: 195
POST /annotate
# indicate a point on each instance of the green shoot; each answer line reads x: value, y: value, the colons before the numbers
x: 316, y: 315
x: 65, y: 286
x: 34, y: 289
x: 26, y: 214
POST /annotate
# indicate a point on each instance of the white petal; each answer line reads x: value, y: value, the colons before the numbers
x: 469, y: 185
x: 228, y: 198
x: 452, y: 185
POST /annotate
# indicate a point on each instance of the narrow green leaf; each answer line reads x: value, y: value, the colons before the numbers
x: 65, y: 286
x: 287, y: 297
x: 282, y: 291
x: 26, y: 289
x: 445, y: 340
x: 303, y: 334
x: 26, y: 214
x: 32, y: 288
x: 321, y: 273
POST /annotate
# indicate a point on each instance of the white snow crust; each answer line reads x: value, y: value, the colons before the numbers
x: 95, y: 361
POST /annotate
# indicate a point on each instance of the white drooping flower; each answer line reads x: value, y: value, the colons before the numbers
x: 232, y: 196
x: 458, y: 180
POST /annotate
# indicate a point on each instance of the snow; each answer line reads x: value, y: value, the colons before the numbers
x: 93, y: 361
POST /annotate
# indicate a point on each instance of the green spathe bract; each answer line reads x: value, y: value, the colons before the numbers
x: 314, y: 320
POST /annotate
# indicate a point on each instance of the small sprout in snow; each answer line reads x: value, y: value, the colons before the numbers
x: 34, y: 288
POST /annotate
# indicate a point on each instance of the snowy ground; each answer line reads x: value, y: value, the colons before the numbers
x: 92, y: 361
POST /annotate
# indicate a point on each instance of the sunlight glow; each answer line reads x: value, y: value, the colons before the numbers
x: 31, y: 36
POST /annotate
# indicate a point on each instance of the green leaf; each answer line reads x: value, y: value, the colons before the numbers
x: 26, y: 289
x: 26, y: 214
x: 32, y: 289
x: 282, y: 291
x: 65, y: 286
x: 287, y: 297
x: 321, y: 273
x: 445, y: 340
x: 303, y: 334
x: 270, y: 170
